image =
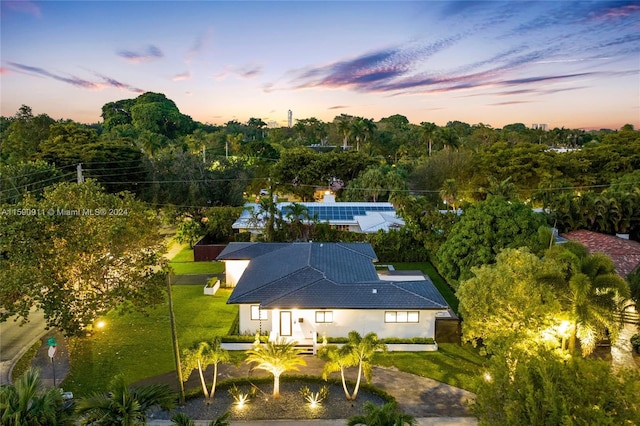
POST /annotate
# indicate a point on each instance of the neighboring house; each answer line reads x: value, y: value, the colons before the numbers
x: 305, y: 290
x: 624, y: 253
x: 363, y: 217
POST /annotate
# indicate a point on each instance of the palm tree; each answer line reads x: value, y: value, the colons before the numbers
x: 590, y: 291
x: 337, y: 359
x: 24, y: 403
x: 362, y: 350
x: 201, y: 356
x: 383, y: 415
x: 343, y: 123
x: 449, y: 193
x: 124, y: 405
x: 428, y: 132
x: 298, y: 214
x: 276, y: 358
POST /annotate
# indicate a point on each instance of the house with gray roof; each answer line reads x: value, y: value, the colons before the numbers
x: 303, y: 290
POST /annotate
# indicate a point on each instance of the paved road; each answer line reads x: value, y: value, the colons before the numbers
x: 16, y: 339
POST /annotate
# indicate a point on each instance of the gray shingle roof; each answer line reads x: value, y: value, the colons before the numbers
x: 322, y: 275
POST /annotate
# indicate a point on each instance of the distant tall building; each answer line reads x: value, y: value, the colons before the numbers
x: 541, y: 126
x: 289, y: 118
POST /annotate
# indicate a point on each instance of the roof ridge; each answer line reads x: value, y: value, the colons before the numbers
x: 282, y: 278
x: 394, y: 283
x: 291, y: 291
x: 344, y: 245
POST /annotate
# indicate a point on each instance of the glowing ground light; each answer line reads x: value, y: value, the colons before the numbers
x: 487, y: 377
x: 100, y: 324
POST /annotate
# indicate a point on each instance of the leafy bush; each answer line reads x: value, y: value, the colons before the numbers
x: 388, y: 340
x: 635, y: 342
x: 314, y: 398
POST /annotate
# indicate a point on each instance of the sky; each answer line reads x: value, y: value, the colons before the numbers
x: 570, y: 64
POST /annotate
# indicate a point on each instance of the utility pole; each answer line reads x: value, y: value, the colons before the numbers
x: 79, y: 173
x: 174, y: 337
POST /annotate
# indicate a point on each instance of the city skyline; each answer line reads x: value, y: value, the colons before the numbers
x: 566, y: 64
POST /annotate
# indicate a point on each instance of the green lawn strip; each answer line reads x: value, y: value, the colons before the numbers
x: 183, y: 264
x: 452, y: 364
x: 139, y: 346
x: 187, y: 268
x: 185, y: 255
x: 442, y: 286
x: 24, y: 362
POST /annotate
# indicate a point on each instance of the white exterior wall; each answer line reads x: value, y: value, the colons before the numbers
x: 344, y: 320
x: 249, y: 326
x: 234, y: 270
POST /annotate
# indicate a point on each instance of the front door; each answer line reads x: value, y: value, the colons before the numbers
x: 285, y: 323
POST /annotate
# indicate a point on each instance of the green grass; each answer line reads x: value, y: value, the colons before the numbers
x: 442, y: 286
x: 183, y: 264
x: 25, y: 361
x: 139, y: 346
x: 453, y: 364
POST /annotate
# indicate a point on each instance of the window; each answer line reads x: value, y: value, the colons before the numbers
x: 324, y: 316
x: 402, y: 316
x: 257, y: 313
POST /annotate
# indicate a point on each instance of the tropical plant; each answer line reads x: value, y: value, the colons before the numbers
x: 124, y: 405
x: 25, y: 403
x: 276, y: 357
x: 381, y: 415
x: 314, y: 398
x: 298, y: 215
x: 591, y: 293
x: 181, y: 419
x: 200, y: 356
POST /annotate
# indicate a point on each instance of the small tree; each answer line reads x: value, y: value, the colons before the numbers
x: 337, y: 359
x: 276, y: 358
x: 189, y: 231
x: 124, y: 405
x: 200, y: 356
x: 24, y: 403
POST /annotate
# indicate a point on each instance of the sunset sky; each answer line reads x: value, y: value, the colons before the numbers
x: 563, y: 63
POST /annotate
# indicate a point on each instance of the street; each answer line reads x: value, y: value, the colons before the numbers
x: 16, y: 339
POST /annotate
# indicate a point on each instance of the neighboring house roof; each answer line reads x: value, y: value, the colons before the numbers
x: 624, y: 253
x: 370, y: 217
x: 323, y: 275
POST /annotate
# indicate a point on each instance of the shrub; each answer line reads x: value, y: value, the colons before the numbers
x: 635, y: 342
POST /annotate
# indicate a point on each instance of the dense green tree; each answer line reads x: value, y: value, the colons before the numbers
x: 189, y: 231
x: 22, y: 139
x: 18, y: 179
x: 218, y: 221
x: 124, y: 405
x: 276, y: 358
x: 77, y: 254
x: 505, y: 306
x: 116, y: 114
x: 155, y: 113
x: 26, y: 403
x: 484, y: 229
x: 544, y: 389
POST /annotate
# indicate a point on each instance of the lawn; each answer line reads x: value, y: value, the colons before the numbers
x: 139, y: 346
x: 442, y: 286
x: 183, y: 264
x: 453, y: 364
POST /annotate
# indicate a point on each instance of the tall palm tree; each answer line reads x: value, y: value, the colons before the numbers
x: 201, y: 356
x: 428, y: 131
x: 24, y: 403
x: 362, y: 350
x: 383, y: 415
x: 343, y: 122
x: 591, y: 292
x: 276, y: 358
x: 124, y: 405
